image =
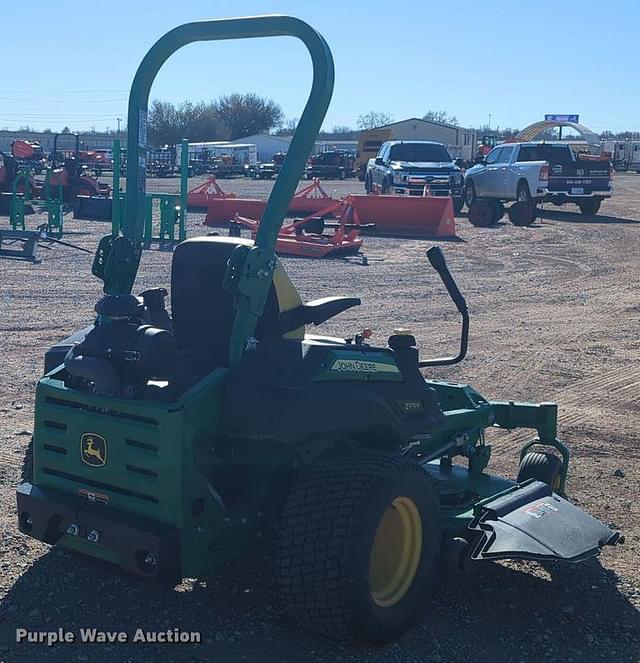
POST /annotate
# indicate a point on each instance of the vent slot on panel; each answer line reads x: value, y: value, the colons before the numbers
x: 141, y: 445
x: 55, y: 449
x: 56, y: 425
x: 61, y: 402
x: 142, y: 470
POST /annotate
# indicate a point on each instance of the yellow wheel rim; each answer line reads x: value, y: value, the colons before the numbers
x: 396, y: 552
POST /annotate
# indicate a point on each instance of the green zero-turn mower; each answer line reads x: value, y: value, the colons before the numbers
x: 170, y: 444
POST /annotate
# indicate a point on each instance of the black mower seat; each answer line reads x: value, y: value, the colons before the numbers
x: 202, y: 310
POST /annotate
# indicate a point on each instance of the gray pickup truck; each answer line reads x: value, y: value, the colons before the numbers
x: 540, y: 172
x: 407, y: 167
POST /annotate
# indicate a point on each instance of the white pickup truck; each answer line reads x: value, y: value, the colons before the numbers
x: 540, y: 172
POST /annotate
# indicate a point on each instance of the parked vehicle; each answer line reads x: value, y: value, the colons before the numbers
x: 28, y: 154
x: 270, y: 169
x: 540, y: 172
x: 332, y: 164
x: 242, y: 153
x: 407, y: 167
x: 161, y: 161
x: 623, y: 154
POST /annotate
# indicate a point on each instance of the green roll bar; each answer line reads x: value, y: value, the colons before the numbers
x: 250, y: 271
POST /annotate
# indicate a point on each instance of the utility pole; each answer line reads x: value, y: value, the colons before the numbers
x: 489, y: 122
x: 119, y: 120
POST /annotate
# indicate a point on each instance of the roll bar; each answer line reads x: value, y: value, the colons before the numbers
x: 54, y: 161
x: 303, y: 139
x: 250, y: 270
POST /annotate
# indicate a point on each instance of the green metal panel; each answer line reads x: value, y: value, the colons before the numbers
x: 150, y: 465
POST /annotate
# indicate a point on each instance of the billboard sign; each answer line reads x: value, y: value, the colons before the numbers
x: 561, y: 118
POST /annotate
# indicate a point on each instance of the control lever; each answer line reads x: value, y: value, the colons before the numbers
x: 436, y: 258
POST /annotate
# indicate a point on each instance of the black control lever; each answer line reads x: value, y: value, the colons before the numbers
x: 436, y: 258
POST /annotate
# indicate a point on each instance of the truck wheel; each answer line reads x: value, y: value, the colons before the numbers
x: 541, y: 466
x: 368, y: 186
x: 523, y: 195
x: 458, y: 204
x: 481, y: 214
x: 590, y: 206
x: 358, y: 545
x: 469, y: 194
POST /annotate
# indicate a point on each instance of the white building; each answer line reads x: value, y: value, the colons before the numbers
x: 266, y: 145
x: 459, y: 141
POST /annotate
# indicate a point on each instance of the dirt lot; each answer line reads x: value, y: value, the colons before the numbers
x: 554, y: 317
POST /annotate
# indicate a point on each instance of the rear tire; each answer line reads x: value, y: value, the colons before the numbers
x: 469, y: 194
x: 542, y: 466
x: 523, y: 195
x: 590, y: 206
x: 368, y: 186
x: 358, y: 546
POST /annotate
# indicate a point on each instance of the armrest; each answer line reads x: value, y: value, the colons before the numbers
x: 316, y: 312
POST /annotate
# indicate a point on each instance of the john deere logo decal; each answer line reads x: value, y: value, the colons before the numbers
x: 93, y: 449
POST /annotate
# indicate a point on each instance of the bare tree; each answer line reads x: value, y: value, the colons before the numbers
x: 440, y: 116
x: 247, y: 114
x: 374, y: 119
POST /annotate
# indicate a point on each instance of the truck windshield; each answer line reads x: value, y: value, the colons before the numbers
x: 560, y: 154
x: 418, y: 152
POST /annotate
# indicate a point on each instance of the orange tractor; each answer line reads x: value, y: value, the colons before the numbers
x: 70, y: 171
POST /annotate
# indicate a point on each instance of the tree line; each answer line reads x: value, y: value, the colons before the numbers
x: 237, y: 115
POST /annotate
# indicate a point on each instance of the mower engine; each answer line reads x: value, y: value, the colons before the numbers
x: 130, y: 344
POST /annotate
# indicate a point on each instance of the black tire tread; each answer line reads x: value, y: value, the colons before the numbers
x: 318, y: 521
x: 539, y: 465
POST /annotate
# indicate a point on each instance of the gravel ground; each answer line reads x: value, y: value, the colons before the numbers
x: 554, y: 317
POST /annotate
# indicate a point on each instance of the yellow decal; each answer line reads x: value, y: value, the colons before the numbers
x: 93, y: 449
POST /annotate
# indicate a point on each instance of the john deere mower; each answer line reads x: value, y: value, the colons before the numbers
x: 168, y: 444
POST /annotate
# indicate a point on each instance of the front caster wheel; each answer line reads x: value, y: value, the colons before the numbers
x: 541, y: 466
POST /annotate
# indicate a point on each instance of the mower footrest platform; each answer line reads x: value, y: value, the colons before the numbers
x: 137, y: 545
x: 532, y: 522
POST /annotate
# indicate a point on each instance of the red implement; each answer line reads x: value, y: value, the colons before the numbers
x: 309, y: 200
x: 406, y: 216
x: 295, y: 240
x: 203, y: 194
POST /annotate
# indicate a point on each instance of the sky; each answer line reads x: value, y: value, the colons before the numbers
x: 72, y: 63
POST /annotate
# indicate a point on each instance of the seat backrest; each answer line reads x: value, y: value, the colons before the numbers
x: 202, y: 310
